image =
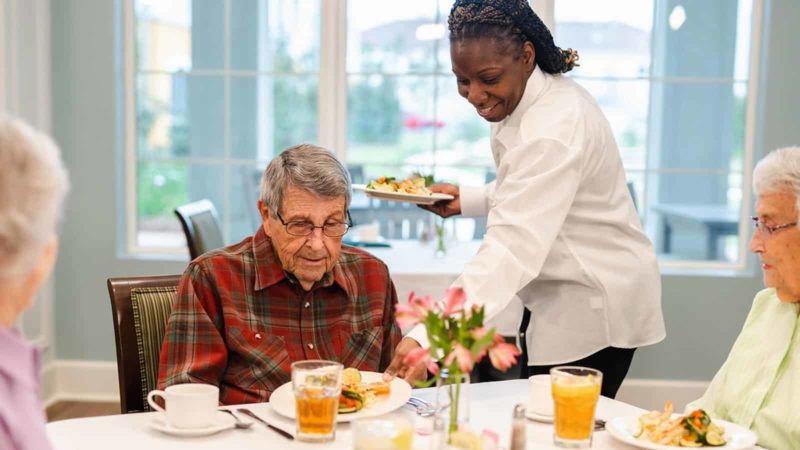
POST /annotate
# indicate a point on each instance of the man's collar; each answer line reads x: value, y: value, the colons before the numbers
x: 269, y: 270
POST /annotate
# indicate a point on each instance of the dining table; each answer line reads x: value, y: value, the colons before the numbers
x: 491, y: 408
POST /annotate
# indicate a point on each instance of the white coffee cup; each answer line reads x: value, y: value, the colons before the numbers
x: 187, y: 405
x: 540, y: 396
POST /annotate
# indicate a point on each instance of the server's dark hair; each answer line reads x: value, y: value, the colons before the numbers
x: 510, y: 20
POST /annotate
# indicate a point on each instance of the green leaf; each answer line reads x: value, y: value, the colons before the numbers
x: 426, y: 383
x: 482, y: 343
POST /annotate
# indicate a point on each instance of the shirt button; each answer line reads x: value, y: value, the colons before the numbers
x: 311, y: 346
x: 258, y: 336
x: 306, y: 305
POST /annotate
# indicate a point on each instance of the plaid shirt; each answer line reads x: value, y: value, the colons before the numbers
x: 239, y: 321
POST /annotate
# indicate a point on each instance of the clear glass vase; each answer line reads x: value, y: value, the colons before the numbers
x: 453, y: 400
x: 440, y: 236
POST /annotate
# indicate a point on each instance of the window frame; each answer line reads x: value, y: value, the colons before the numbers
x: 546, y: 11
x: 333, y: 123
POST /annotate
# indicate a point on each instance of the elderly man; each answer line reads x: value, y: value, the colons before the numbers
x: 758, y: 386
x: 33, y: 184
x: 291, y: 292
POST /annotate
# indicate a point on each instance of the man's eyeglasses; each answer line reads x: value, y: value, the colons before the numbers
x: 767, y: 230
x: 305, y: 228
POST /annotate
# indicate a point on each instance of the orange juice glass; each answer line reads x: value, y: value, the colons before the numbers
x: 575, y: 393
x: 316, y: 385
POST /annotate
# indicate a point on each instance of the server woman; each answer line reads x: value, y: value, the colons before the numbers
x: 562, y: 232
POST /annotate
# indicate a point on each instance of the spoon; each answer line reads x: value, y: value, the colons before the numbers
x: 239, y: 422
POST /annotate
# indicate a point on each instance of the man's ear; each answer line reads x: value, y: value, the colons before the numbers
x: 263, y: 211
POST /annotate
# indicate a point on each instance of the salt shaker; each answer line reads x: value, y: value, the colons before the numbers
x: 518, y: 438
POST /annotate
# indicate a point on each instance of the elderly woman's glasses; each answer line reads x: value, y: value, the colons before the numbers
x: 305, y: 228
x: 767, y: 230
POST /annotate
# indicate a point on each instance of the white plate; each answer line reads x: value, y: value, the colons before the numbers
x: 282, y: 399
x: 623, y: 429
x: 224, y: 422
x: 536, y: 417
x: 402, y: 196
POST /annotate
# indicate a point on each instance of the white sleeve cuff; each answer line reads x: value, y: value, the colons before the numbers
x: 474, y: 200
x: 420, y: 334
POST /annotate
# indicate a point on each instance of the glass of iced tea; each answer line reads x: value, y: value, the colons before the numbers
x: 316, y: 385
x: 575, y: 393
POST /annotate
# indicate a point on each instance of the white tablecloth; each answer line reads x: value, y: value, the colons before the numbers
x: 492, y: 405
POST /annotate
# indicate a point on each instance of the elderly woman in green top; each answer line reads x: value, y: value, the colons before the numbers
x: 758, y: 386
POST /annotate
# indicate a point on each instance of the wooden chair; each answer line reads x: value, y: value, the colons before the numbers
x: 201, y: 227
x: 140, y: 307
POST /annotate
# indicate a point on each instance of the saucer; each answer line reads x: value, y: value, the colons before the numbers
x: 223, y: 422
x: 536, y: 417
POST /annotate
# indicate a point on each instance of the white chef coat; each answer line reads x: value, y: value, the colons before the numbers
x: 562, y: 232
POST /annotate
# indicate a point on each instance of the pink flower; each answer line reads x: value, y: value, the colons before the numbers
x: 421, y: 355
x: 406, y: 316
x: 463, y: 358
x: 479, y: 333
x: 503, y: 355
x: 454, y: 301
x: 411, y: 313
x: 423, y: 305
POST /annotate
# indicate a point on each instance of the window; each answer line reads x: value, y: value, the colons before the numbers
x: 222, y: 85
x: 672, y: 78
x: 404, y: 113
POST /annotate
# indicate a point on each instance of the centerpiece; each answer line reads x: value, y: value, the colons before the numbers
x: 458, y: 340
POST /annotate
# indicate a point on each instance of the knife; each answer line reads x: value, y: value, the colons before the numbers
x: 283, y: 433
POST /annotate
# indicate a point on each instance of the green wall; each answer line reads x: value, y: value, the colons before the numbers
x: 703, y: 313
x: 86, y: 123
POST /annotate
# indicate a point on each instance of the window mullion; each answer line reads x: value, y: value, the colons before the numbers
x: 545, y: 9
x: 131, y: 158
x: 226, y: 118
x: 750, y: 124
x: 332, y: 79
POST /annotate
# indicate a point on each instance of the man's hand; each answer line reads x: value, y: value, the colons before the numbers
x: 445, y: 208
x: 398, y: 369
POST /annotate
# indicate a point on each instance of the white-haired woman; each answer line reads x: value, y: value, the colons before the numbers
x: 758, y: 386
x: 33, y: 184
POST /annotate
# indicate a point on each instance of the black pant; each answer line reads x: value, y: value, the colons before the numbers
x: 612, y: 361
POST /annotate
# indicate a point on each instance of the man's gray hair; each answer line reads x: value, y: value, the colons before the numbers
x: 777, y: 172
x: 33, y: 185
x: 307, y: 167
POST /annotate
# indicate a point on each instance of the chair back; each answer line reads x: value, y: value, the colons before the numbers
x: 201, y: 227
x: 140, y: 307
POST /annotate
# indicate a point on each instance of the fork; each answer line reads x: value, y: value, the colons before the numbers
x: 425, y: 408
x: 239, y: 422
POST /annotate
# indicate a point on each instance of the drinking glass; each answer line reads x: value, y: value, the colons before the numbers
x: 384, y: 433
x: 316, y: 385
x: 575, y: 394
